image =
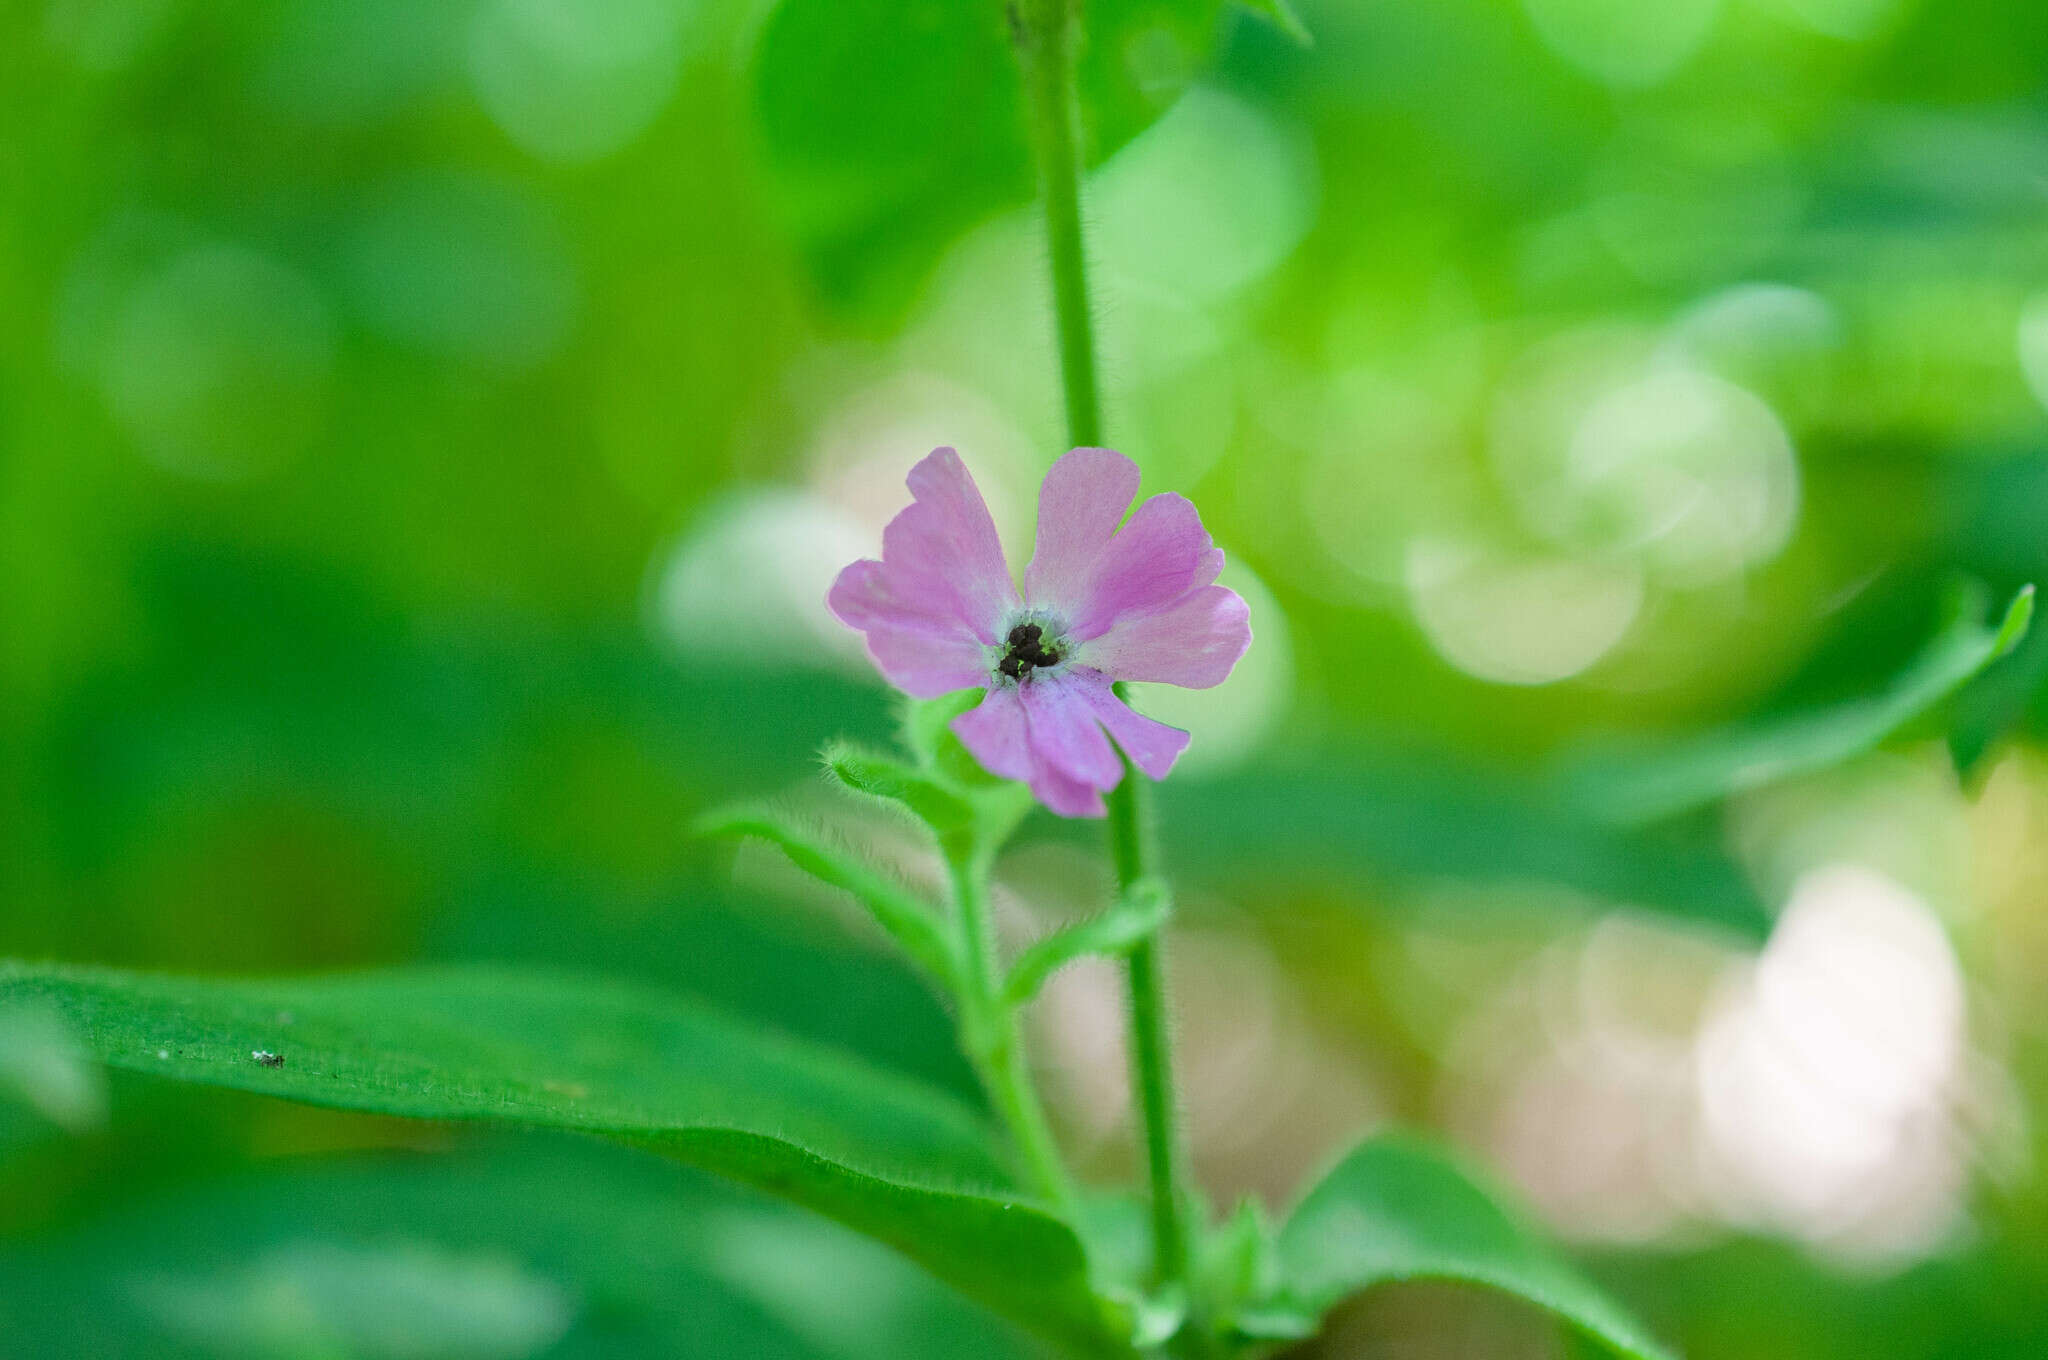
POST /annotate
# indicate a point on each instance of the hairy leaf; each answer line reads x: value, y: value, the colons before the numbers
x: 878, y: 1153
x: 930, y: 801
x: 913, y: 924
x: 1131, y: 920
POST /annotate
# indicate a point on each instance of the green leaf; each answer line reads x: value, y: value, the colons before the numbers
x: 1426, y: 817
x: 999, y: 804
x: 488, y: 1252
x: 925, y: 723
x: 1131, y: 920
x: 1397, y: 1210
x: 1239, y: 1272
x: 1989, y: 711
x: 930, y: 801
x: 891, y: 126
x: 1280, y: 13
x: 1634, y: 789
x: 912, y: 923
x: 878, y: 1153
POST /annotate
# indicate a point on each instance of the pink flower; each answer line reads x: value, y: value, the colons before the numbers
x: 1100, y: 604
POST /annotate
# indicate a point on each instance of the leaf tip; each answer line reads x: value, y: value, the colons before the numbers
x: 1280, y: 13
x: 2019, y: 615
x: 725, y: 821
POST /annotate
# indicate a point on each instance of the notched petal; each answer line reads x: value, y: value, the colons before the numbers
x: 1152, y: 745
x: 1194, y: 643
x: 921, y: 653
x: 942, y: 549
x: 1061, y: 727
x: 1160, y: 556
x: 1080, y: 504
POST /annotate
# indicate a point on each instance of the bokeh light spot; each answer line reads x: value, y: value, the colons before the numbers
x: 746, y: 586
x: 1621, y: 42
x: 1828, y: 1069
x: 218, y: 363
x: 463, y: 267
x: 1528, y: 620
x: 2033, y: 346
x: 575, y: 80
x: 103, y: 35
x: 1237, y: 185
x: 1615, y: 449
x: 343, y: 63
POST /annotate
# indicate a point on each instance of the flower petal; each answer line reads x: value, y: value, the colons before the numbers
x: 996, y: 732
x: 1193, y: 642
x: 1081, y: 502
x: 1067, y: 797
x: 921, y: 653
x: 1160, y: 556
x: 1061, y: 727
x: 1151, y: 744
x: 943, y: 548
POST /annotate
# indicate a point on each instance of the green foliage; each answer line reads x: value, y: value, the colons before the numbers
x: 1387, y: 816
x: 912, y: 924
x: 878, y: 1153
x: 1134, y: 918
x: 1280, y: 13
x: 1714, y: 765
x: 587, y: 1251
x: 924, y: 797
x: 891, y: 126
x: 344, y: 422
x: 1395, y: 1210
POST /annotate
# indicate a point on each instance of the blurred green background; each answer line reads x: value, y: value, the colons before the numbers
x: 428, y: 427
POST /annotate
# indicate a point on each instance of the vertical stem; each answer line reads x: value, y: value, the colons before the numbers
x: 1151, y: 1040
x: 994, y: 1042
x: 1044, y: 32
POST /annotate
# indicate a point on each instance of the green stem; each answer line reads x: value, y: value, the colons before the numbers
x: 995, y: 1043
x: 1151, y: 1042
x: 1044, y: 31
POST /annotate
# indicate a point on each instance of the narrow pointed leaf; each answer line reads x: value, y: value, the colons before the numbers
x: 1422, y: 817
x: 1134, y: 918
x: 1397, y: 1210
x: 879, y: 1153
x: 1632, y: 789
x: 879, y: 777
x: 1280, y: 13
x: 910, y: 922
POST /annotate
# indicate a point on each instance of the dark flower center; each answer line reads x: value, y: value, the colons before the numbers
x: 1027, y: 649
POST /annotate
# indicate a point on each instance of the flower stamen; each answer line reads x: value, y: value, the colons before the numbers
x: 1026, y: 650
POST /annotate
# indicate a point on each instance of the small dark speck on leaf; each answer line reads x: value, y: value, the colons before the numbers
x: 268, y: 1059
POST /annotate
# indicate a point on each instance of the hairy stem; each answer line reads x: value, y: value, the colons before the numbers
x: 1045, y: 36
x: 1151, y: 1042
x: 1045, y: 46
x: 994, y: 1042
